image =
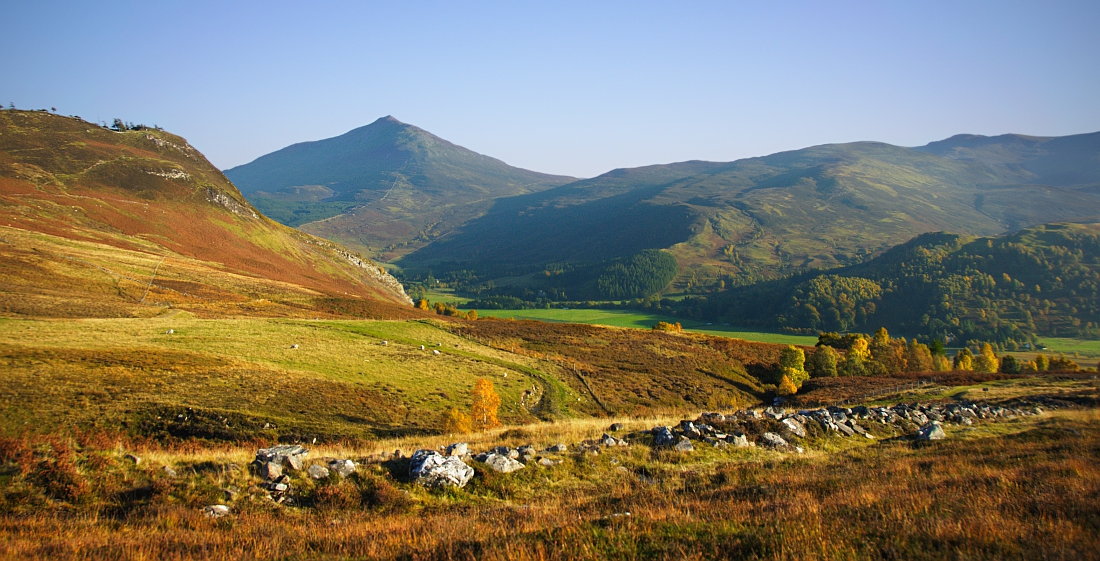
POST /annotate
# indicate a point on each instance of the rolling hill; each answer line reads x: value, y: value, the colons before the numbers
x: 1010, y: 289
x: 733, y: 224
x: 97, y: 222
x: 386, y: 188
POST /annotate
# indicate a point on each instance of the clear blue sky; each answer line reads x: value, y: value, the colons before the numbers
x: 571, y: 88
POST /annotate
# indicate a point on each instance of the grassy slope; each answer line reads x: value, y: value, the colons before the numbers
x: 72, y: 193
x: 340, y: 381
x: 391, y: 187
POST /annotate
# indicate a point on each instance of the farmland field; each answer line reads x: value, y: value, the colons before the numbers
x: 642, y: 320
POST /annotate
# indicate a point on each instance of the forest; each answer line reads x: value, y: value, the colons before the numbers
x: 1041, y: 281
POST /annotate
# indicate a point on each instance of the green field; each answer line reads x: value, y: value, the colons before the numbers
x: 1068, y: 345
x: 642, y: 320
x: 325, y: 377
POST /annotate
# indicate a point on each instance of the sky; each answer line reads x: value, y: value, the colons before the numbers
x: 573, y: 88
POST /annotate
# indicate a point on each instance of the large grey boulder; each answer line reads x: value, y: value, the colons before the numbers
x: 343, y: 468
x: 931, y: 431
x: 286, y: 455
x: 506, y: 452
x: 317, y: 472
x: 501, y: 463
x: 684, y: 445
x: 738, y: 440
x: 772, y: 440
x: 432, y: 469
x: 795, y: 427
x: 663, y: 436
x: 215, y: 511
x: 271, y: 471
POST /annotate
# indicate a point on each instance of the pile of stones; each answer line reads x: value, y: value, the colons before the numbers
x: 433, y: 468
x: 777, y: 428
x: 274, y: 464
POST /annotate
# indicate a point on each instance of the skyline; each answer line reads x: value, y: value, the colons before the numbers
x: 576, y: 91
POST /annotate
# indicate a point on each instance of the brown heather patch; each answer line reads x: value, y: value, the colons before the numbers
x: 1026, y: 489
x: 633, y: 371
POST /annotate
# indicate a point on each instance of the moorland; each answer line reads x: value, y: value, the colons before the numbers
x: 157, y: 329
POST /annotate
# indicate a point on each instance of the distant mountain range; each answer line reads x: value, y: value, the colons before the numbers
x: 727, y: 224
x: 387, y: 188
x: 97, y: 222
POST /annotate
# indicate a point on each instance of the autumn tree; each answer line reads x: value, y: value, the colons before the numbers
x: 423, y: 304
x: 485, y: 405
x: 888, y: 352
x: 792, y: 365
x: 1042, y: 363
x: 1010, y: 365
x: 964, y: 360
x: 823, y: 362
x: 786, y: 386
x: 855, y: 363
x: 918, y: 357
x: 456, y: 422
x: 940, y: 363
x: 986, y: 360
x: 1063, y: 364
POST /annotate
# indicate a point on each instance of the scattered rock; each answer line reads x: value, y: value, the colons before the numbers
x: 284, y: 455
x: 615, y: 427
x: 795, y: 427
x: 215, y: 511
x: 168, y: 471
x: 738, y: 440
x: 317, y: 472
x: 343, y: 468
x: 294, y: 346
x: 432, y: 469
x: 772, y: 440
x: 458, y: 449
x: 663, y: 436
x: 931, y: 431
x: 557, y: 449
x: 135, y: 459
x: 684, y: 445
x: 271, y: 471
x: 501, y: 463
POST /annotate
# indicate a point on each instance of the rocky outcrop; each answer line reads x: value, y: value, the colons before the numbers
x: 432, y: 469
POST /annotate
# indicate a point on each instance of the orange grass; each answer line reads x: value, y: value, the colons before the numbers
x: 1020, y: 489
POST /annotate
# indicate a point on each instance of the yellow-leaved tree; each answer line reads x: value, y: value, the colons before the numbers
x: 456, y: 422
x: 485, y: 405
x: 986, y: 361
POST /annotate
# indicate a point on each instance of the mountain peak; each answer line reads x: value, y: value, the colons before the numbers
x: 388, y: 120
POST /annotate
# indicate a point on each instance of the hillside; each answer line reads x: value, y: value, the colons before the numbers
x: 386, y: 188
x: 1011, y: 289
x: 742, y: 222
x: 97, y: 222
